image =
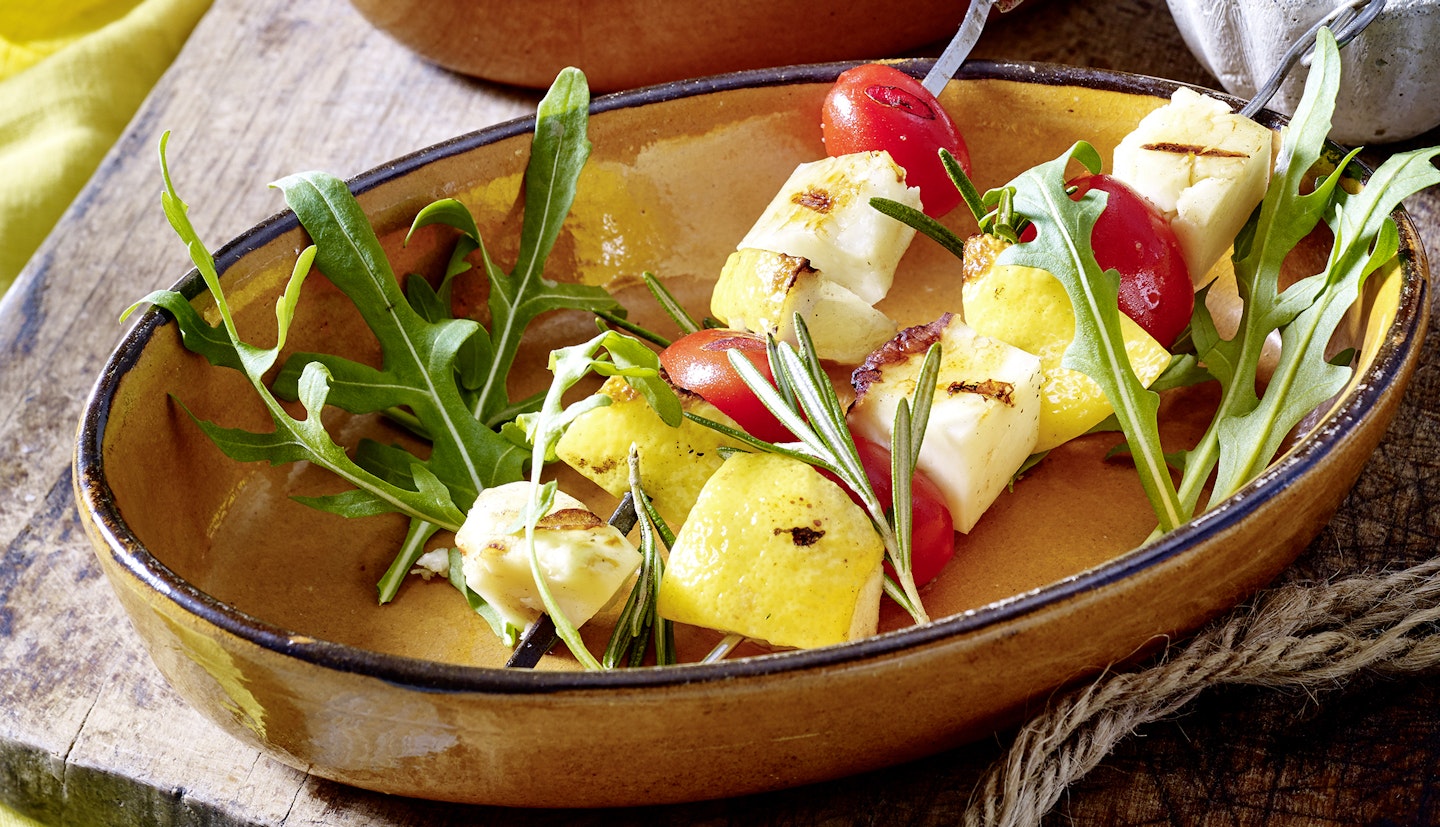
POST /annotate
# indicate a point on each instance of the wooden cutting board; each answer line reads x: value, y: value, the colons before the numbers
x: 90, y: 734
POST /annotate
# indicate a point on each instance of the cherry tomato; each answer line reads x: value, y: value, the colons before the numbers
x: 874, y: 107
x: 698, y: 363
x: 1133, y: 237
x: 932, y: 539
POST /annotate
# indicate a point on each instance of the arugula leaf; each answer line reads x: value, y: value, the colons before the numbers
x: 198, y: 336
x: 293, y: 439
x: 1249, y: 429
x: 1062, y: 248
x: 476, y: 356
x: 1366, y: 239
x: 418, y: 357
x: 1183, y: 371
x: 452, y: 213
x: 440, y: 377
x: 1286, y: 215
x: 559, y: 150
x: 431, y: 306
x: 411, y: 549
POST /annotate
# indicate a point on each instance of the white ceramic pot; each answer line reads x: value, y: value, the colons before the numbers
x: 1390, y: 74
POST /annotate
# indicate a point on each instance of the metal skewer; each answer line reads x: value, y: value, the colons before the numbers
x: 962, y: 43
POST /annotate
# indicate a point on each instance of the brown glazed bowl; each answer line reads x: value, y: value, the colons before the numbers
x: 624, y: 44
x: 262, y: 613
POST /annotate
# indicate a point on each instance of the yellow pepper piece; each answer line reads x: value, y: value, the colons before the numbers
x: 674, y: 462
x: 776, y: 552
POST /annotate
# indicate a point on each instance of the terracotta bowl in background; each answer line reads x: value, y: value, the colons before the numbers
x: 262, y: 612
x: 623, y: 44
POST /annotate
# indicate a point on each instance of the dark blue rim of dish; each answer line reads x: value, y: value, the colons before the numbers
x: 1387, y: 368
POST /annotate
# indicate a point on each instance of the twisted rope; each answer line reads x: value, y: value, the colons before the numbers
x: 1295, y: 636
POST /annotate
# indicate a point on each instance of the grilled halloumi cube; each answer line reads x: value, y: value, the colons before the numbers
x: 777, y: 552
x: 1029, y: 309
x: 984, y: 416
x: 585, y: 560
x: 674, y: 462
x: 1204, y: 166
x: 762, y: 291
x: 823, y: 214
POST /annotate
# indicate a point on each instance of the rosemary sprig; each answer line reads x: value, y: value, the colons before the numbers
x: 805, y: 402
x: 905, y: 441
x: 608, y: 320
x: 639, y: 620
x: 670, y: 304
x: 993, y: 215
x: 667, y: 301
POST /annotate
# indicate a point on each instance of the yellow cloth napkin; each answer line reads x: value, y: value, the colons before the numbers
x: 71, y: 76
x: 10, y: 818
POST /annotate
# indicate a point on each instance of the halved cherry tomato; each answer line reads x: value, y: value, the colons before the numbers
x: 1133, y: 237
x: 932, y: 539
x: 698, y: 363
x: 874, y: 107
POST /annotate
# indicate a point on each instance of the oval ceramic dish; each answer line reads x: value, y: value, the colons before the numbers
x: 262, y: 613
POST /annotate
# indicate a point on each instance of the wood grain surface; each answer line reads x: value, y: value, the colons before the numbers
x: 90, y: 734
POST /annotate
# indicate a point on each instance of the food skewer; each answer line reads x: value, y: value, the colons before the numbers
x: 1346, y: 21
x: 540, y: 636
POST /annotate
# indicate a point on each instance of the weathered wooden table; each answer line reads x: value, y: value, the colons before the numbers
x: 90, y: 734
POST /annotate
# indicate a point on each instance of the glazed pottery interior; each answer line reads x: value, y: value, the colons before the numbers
x: 263, y: 613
